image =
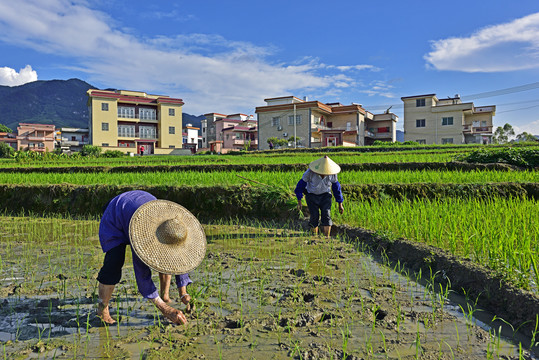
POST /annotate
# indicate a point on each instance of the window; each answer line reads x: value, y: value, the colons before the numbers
x: 291, y: 120
x: 147, y: 114
x: 421, y: 141
x: 447, y: 140
x: 126, y: 112
x: 420, y: 123
x: 105, y: 144
x: 105, y: 126
x: 447, y: 121
x: 483, y: 123
x: 41, y: 145
x: 276, y: 121
x: 104, y: 107
x: 170, y: 112
x: 171, y: 130
x: 227, y: 136
x: 147, y: 132
x: 126, y: 130
x: 172, y: 146
x: 419, y: 102
x: 203, y: 130
x: 73, y: 138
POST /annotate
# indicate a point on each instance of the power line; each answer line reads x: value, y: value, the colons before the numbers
x: 482, y: 95
x: 506, y: 91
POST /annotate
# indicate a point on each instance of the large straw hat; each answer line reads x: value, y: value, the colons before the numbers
x: 325, y: 166
x: 167, y: 237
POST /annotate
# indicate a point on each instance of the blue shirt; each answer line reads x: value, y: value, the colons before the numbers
x: 114, y: 231
x: 313, y: 183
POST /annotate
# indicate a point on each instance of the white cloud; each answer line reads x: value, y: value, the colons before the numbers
x: 505, y: 47
x: 532, y: 128
x: 11, y: 77
x: 209, y: 72
x: 379, y: 88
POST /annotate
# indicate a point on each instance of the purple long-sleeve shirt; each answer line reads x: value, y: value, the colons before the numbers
x: 114, y: 231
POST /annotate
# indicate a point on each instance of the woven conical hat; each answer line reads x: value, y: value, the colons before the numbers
x: 167, y: 237
x: 325, y: 166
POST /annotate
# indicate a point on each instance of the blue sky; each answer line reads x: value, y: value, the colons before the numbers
x: 228, y: 56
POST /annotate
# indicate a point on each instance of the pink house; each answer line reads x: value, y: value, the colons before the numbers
x: 224, y: 133
x: 36, y: 137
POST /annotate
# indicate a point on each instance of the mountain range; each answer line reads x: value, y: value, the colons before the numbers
x: 59, y: 102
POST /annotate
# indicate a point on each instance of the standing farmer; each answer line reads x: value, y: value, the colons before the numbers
x: 141, y: 150
x: 317, y: 183
x: 163, y: 235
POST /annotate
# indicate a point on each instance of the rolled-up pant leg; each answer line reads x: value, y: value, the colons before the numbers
x: 111, y: 271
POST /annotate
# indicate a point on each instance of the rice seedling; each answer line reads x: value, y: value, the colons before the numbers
x: 500, y: 234
x: 250, y: 293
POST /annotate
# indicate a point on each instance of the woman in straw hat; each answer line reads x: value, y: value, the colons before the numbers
x: 317, y: 183
x: 163, y: 235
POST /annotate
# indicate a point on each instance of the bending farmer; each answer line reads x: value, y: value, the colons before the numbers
x: 317, y: 183
x: 163, y: 235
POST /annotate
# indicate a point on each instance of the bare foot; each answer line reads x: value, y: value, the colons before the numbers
x: 104, y: 314
x: 166, y: 298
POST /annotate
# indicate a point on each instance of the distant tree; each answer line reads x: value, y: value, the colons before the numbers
x: 526, y: 136
x: 502, y: 134
x: 6, y: 150
x: 90, y: 150
x: 4, y: 128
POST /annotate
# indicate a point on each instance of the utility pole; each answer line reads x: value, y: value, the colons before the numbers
x: 295, y: 138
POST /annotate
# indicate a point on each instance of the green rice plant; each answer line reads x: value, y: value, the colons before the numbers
x: 501, y: 234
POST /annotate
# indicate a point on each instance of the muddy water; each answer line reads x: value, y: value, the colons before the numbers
x: 260, y: 293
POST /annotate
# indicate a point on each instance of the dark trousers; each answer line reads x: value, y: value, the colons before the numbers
x: 320, y: 209
x: 111, y: 272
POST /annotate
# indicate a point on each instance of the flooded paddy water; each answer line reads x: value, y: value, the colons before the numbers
x: 261, y: 293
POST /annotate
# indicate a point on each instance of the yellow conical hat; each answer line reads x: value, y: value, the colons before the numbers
x: 167, y: 237
x: 325, y: 166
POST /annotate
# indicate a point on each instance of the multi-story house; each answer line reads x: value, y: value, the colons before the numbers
x: 316, y: 124
x: 190, y: 137
x: 36, y: 137
x: 223, y: 133
x: 128, y: 120
x: 9, y: 139
x: 429, y: 120
x: 73, y: 139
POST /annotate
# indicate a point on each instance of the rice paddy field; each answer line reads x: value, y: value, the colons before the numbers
x: 271, y: 291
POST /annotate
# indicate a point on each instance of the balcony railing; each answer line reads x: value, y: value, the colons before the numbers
x: 337, y: 128
x: 138, y: 136
x: 245, y: 141
x: 73, y: 143
x: 469, y: 129
x: 136, y: 118
x: 39, y: 138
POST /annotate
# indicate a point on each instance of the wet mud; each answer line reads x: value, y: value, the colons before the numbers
x: 260, y: 293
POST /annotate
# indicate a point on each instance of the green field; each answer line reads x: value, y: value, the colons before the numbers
x: 286, y: 179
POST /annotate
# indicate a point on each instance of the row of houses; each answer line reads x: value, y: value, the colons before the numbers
x: 135, y: 122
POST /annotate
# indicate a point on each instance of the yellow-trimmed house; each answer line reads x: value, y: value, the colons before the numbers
x: 131, y: 121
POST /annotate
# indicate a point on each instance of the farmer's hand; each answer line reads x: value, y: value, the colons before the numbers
x: 175, y: 316
x: 299, y: 205
x: 341, y: 208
